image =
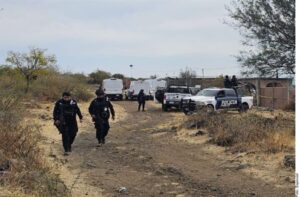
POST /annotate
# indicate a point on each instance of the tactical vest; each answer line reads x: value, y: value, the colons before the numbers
x: 102, y: 109
x: 68, y: 109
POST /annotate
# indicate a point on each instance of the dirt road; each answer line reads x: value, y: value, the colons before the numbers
x: 147, y: 161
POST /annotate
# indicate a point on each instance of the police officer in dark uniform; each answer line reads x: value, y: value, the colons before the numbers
x: 234, y: 84
x: 234, y: 81
x: 64, y: 115
x: 141, y: 100
x: 100, y: 110
x: 227, y: 82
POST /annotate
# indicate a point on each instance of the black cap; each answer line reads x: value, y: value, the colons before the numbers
x: 66, y: 94
x: 99, y: 92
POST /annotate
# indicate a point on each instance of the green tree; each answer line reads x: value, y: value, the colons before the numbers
x: 98, y: 76
x: 153, y: 76
x: 30, y: 64
x: 268, y: 27
x: 118, y: 76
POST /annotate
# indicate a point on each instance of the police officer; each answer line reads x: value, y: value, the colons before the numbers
x: 100, y: 110
x: 64, y: 115
x: 234, y: 81
x: 141, y: 99
x: 227, y: 82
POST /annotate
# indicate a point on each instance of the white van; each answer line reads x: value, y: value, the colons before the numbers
x: 136, y: 86
x: 113, y: 88
x: 156, y: 84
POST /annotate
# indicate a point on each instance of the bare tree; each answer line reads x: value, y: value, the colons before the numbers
x: 188, y: 74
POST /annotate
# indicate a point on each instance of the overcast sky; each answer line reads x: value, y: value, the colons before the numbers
x: 156, y: 36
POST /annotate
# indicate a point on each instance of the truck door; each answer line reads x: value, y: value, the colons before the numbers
x: 221, y: 99
x: 232, y: 99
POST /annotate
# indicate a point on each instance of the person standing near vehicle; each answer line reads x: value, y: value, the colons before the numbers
x: 234, y: 81
x: 227, y: 82
x: 100, y: 110
x: 234, y: 84
x: 64, y: 115
x: 141, y: 99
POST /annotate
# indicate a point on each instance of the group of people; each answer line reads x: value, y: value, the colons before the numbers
x: 66, y: 110
x: 230, y: 83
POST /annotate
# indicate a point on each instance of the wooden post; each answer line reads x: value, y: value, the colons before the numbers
x: 273, y: 95
x: 258, y: 92
x: 288, y: 92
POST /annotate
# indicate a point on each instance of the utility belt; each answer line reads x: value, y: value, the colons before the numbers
x: 69, y: 113
x: 104, y: 115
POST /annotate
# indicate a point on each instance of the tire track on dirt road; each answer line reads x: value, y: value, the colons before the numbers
x: 153, y: 165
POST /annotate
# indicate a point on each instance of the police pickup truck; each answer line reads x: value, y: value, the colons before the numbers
x: 173, y: 96
x: 212, y: 99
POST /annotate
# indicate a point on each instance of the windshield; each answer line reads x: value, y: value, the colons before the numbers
x: 208, y: 93
x: 112, y: 84
x: 179, y: 90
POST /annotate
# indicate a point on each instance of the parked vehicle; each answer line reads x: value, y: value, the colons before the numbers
x: 154, y: 85
x: 173, y: 96
x: 113, y: 88
x: 159, y: 95
x: 212, y: 99
x: 136, y: 86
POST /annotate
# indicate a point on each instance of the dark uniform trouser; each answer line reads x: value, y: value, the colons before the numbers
x: 141, y: 104
x: 68, y: 133
x: 102, y: 128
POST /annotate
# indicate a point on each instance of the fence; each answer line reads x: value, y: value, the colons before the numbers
x: 276, y: 97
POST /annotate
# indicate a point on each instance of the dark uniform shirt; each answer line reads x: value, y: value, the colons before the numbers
x: 101, y: 108
x: 141, y: 97
x: 66, y: 111
x: 234, y: 82
x: 227, y: 83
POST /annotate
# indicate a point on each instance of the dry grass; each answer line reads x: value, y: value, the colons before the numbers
x: 20, y: 155
x: 51, y: 87
x: 249, y: 132
x: 22, y: 166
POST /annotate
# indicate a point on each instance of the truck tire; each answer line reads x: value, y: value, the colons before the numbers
x: 165, y: 108
x: 210, y: 109
x: 244, y: 107
x: 186, y: 112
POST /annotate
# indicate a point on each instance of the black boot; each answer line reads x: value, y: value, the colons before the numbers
x: 99, y: 142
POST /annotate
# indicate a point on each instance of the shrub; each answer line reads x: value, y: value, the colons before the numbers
x: 291, y: 106
x: 20, y: 155
x: 249, y: 131
x: 51, y: 87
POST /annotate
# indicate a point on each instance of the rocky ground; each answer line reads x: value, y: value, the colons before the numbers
x: 146, y: 155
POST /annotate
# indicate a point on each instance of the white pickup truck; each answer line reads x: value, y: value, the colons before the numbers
x: 213, y: 99
x: 173, y: 96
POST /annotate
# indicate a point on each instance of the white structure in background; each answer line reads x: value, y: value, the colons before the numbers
x: 136, y: 86
x: 156, y: 84
x: 113, y: 88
